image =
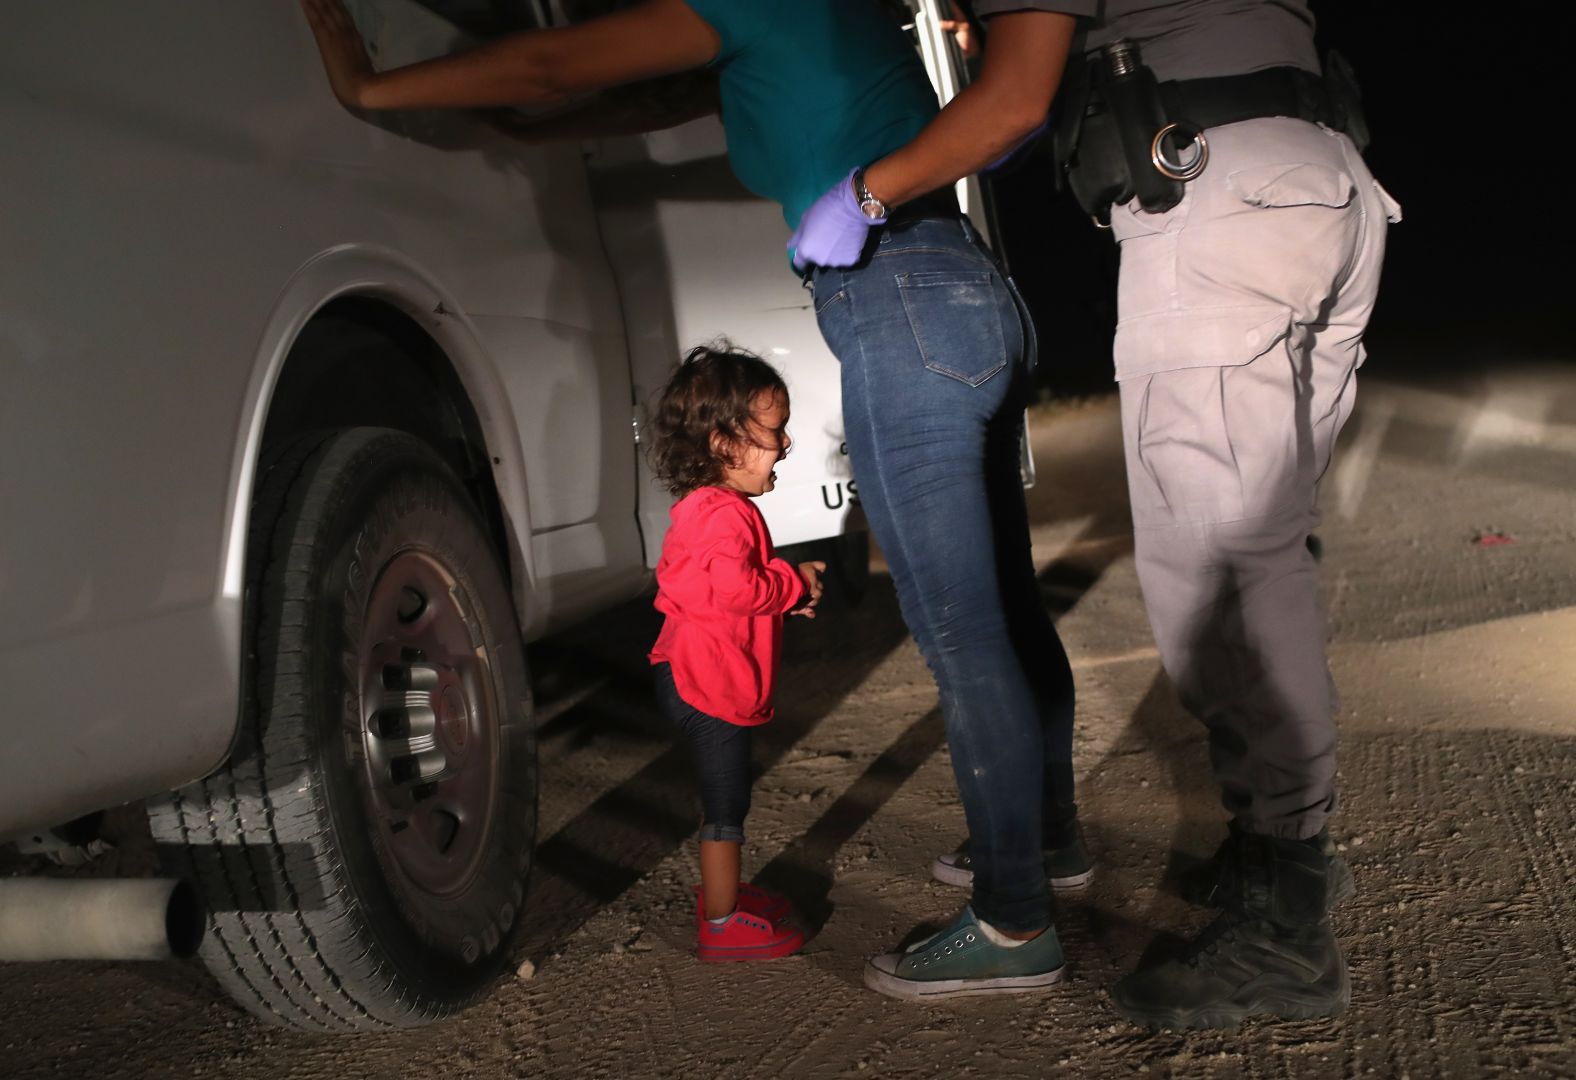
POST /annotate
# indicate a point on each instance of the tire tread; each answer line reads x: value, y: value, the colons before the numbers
x: 294, y: 966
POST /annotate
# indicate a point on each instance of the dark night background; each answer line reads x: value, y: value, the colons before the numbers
x: 1467, y: 135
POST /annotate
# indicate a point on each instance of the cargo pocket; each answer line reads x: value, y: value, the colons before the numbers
x: 1300, y: 184
x: 1197, y: 337
x: 1392, y: 209
x: 956, y: 319
x: 1211, y: 416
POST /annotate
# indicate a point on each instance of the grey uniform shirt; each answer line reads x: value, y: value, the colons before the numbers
x: 1188, y: 39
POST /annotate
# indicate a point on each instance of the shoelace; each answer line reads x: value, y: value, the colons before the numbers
x: 1207, y: 944
x: 967, y: 937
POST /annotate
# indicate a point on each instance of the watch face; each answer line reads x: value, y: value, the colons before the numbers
x: 869, y: 205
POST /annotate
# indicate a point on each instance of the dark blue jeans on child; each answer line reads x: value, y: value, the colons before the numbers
x: 722, y: 760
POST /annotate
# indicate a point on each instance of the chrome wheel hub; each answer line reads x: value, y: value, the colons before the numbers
x: 428, y: 724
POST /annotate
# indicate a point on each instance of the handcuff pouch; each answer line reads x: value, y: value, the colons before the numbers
x: 1102, y: 134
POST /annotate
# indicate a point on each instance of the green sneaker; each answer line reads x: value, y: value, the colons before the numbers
x: 1065, y: 867
x: 960, y: 960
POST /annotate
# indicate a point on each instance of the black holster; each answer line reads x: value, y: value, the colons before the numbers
x: 1101, y: 136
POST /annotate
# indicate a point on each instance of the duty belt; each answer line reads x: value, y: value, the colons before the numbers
x: 1228, y: 99
x: 1120, y: 135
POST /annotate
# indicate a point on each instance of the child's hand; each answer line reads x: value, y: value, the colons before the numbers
x: 811, y: 572
x: 344, y: 52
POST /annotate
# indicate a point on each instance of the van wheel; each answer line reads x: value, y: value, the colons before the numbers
x: 364, y: 851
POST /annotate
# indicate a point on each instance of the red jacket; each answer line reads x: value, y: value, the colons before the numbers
x: 724, y: 594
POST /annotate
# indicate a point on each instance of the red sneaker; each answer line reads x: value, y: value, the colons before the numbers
x: 742, y: 936
x: 753, y: 900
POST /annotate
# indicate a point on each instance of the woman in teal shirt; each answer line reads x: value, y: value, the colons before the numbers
x: 935, y: 349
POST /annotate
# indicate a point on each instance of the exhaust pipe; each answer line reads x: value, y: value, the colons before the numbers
x: 115, y: 919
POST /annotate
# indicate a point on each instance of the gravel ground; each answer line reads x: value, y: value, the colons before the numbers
x: 1450, y: 571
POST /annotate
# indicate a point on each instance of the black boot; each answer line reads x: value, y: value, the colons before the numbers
x: 1269, y: 953
x: 1209, y: 883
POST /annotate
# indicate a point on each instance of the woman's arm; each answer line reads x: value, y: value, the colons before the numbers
x: 1024, y: 58
x: 626, y: 110
x: 657, y: 37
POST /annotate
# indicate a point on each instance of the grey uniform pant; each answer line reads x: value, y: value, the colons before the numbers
x: 1240, y: 320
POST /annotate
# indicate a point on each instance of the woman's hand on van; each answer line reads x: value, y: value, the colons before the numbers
x: 344, y: 52
x: 534, y: 67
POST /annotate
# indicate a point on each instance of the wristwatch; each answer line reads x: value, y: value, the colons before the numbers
x: 869, y: 205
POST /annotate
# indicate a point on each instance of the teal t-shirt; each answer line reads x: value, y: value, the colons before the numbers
x: 811, y: 89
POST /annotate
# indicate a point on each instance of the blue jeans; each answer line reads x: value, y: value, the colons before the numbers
x: 722, y: 760
x: 935, y: 348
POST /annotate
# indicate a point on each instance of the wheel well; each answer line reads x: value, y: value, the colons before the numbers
x: 360, y: 362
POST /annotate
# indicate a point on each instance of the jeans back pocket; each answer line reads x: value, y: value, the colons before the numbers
x: 956, y: 319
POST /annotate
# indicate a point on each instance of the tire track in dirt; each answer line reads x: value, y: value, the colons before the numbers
x: 1391, y: 839
x: 1542, y: 825
x: 1459, y: 940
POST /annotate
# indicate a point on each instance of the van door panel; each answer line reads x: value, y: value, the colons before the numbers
x: 698, y: 258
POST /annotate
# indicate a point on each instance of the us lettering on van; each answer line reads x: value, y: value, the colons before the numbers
x: 835, y: 495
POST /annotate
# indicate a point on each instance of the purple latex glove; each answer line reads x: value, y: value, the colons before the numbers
x: 832, y: 232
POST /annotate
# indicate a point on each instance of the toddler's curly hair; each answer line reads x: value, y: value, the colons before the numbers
x: 710, y: 392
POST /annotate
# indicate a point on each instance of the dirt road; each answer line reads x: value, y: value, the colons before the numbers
x: 1450, y: 566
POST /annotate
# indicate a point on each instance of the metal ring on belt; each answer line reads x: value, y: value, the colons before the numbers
x: 1179, y: 170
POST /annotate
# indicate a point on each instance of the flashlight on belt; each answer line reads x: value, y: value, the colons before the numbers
x: 1156, y: 148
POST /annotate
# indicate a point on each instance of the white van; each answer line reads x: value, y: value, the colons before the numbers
x: 307, y: 423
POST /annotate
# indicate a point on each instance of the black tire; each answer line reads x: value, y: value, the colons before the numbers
x: 364, y: 852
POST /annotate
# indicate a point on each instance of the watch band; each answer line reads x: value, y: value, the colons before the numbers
x: 871, y: 206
